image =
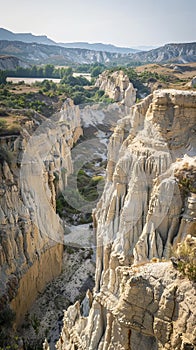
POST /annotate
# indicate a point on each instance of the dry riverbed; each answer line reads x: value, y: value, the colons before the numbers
x: 45, y: 317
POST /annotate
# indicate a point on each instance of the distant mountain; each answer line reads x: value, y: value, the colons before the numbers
x: 25, y: 37
x: 41, y: 54
x: 177, y: 53
x: 43, y: 39
x: 28, y: 47
x: 99, y: 47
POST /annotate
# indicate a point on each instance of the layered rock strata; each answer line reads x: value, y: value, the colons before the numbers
x: 117, y: 86
x: 148, y: 206
x: 34, y: 166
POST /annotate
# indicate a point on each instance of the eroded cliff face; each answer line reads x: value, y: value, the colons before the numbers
x: 140, y: 301
x: 118, y: 87
x: 34, y: 166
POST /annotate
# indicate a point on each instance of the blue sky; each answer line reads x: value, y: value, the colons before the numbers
x: 121, y: 22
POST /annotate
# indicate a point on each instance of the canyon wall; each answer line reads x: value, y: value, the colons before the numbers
x: 33, y: 167
x: 147, y: 208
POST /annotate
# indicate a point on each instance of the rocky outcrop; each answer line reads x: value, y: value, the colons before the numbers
x: 152, y: 308
x: 117, y: 86
x: 148, y: 206
x: 192, y: 83
x: 34, y: 166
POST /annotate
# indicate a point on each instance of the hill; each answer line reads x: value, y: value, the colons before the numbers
x: 25, y: 37
x: 42, y: 54
x: 11, y: 63
x: 177, y: 53
x: 58, y: 55
x: 43, y: 39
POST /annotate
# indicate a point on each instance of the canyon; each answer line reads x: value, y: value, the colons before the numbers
x: 144, y: 215
x: 31, y: 248
x: 35, y: 166
x: 140, y: 301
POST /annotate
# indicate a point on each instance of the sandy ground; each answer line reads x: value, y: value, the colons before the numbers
x: 80, y: 236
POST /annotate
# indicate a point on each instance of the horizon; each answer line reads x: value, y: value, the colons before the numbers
x: 99, y: 42
x: 126, y: 24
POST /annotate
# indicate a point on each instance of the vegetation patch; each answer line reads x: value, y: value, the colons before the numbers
x: 7, y: 338
x: 45, y: 97
x: 185, y: 258
x: 186, y: 177
x: 86, y: 189
x: 51, y: 71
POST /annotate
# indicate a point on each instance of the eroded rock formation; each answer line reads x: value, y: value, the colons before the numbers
x: 117, y: 86
x: 148, y: 206
x: 31, y: 233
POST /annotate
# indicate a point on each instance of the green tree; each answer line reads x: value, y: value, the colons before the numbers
x: 78, y: 98
x: 3, y: 77
x: 69, y: 71
x: 48, y: 70
x: 96, y: 71
x: 40, y: 72
x: 46, y: 85
x: 33, y: 71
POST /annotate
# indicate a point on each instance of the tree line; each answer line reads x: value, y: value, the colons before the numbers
x: 46, y: 71
x: 50, y: 71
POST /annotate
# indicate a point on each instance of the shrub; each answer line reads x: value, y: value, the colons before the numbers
x: 3, y: 76
x: 7, y: 317
x: 3, y: 112
x: 3, y: 124
x: 35, y: 322
x: 5, y: 155
x: 185, y: 255
x: 186, y: 179
x: 96, y: 71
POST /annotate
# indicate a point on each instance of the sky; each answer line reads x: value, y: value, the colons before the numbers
x: 121, y: 22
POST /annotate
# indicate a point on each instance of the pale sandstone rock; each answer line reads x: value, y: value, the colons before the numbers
x: 154, y: 305
x: 117, y: 86
x: 138, y: 304
x: 192, y: 83
x: 31, y: 233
